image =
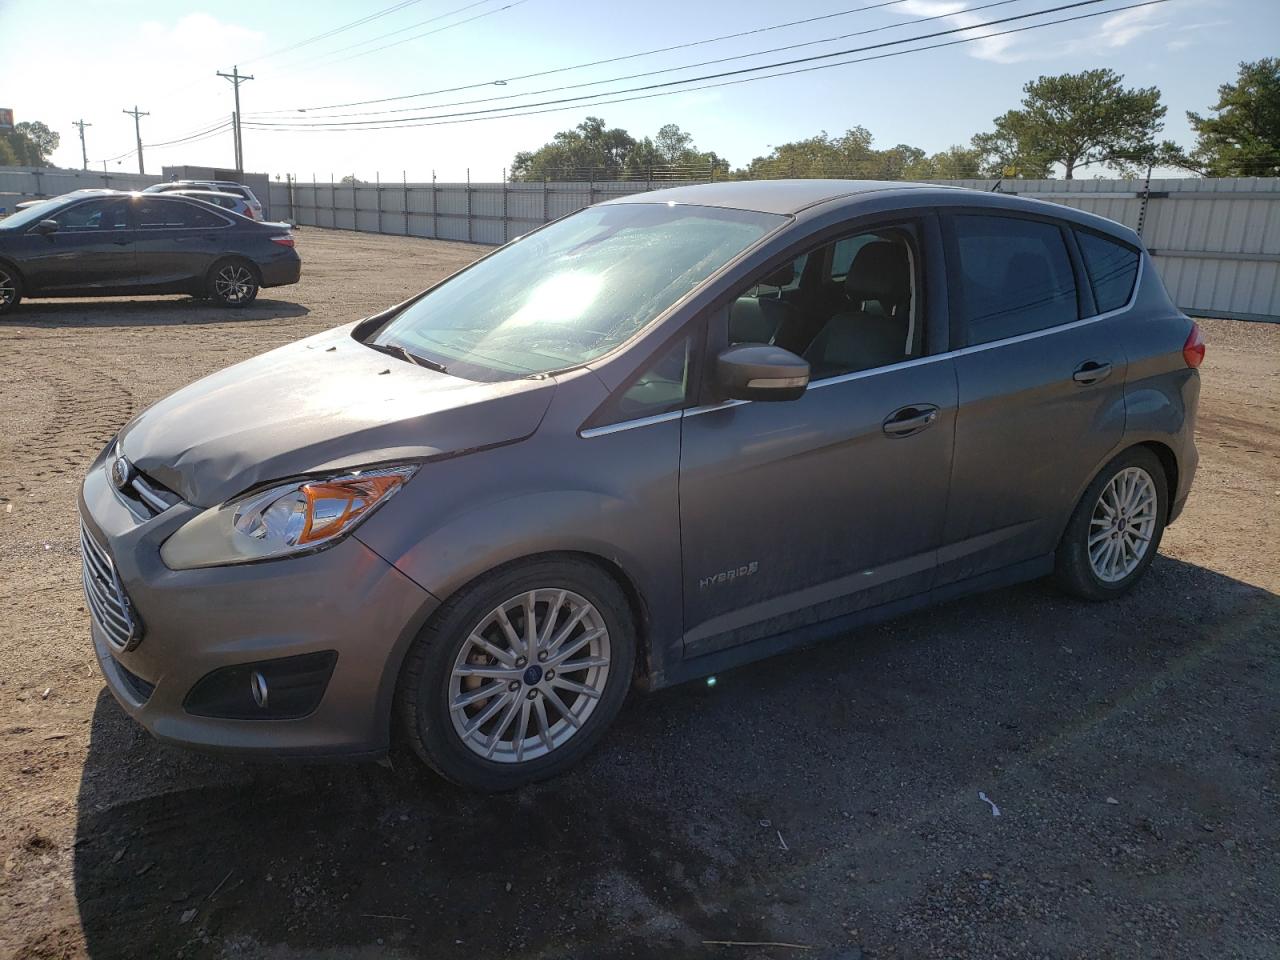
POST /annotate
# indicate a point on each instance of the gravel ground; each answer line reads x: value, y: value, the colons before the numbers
x: 827, y: 799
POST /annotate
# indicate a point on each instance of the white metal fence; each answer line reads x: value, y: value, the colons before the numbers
x: 1215, y: 242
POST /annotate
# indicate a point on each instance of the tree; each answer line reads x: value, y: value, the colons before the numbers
x: 1243, y: 140
x: 1078, y: 120
x: 44, y: 140
x: 593, y: 149
x: 954, y: 163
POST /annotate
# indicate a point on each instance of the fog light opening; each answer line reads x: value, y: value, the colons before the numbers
x: 258, y: 686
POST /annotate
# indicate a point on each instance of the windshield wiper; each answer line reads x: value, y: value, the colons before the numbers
x: 395, y: 350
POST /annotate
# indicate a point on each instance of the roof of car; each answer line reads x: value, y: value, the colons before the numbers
x: 772, y: 196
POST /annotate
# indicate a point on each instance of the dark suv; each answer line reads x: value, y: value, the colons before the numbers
x: 664, y: 436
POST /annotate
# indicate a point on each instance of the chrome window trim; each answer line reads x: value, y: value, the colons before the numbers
x: 630, y: 424
x: 917, y: 361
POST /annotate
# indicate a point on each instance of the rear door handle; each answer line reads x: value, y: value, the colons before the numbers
x: 1092, y: 371
x: 908, y: 420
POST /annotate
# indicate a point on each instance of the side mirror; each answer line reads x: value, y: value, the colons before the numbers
x: 45, y: 227
x: 761, y: 372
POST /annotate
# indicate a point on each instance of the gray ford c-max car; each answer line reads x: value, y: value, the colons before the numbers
x: 669, y: 434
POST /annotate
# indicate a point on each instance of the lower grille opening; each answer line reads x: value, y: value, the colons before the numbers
x: 284, y: 689
x: 141, y: 689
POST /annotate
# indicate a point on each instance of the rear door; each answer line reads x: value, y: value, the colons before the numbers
x: 92, y: 249
x: 1041, y: 389
x: 177, y: 241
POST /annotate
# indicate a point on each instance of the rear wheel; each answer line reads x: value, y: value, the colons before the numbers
x: 518, y: 676
x: 10, y: 288
x: 1115, y: 531
x: 233, y: 283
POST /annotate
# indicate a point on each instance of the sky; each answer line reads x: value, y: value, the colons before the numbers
x: 93, y: 59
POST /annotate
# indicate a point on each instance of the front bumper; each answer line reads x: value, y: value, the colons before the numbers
x: 345, y: 599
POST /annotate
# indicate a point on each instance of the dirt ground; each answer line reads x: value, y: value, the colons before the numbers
x: 828, y: 799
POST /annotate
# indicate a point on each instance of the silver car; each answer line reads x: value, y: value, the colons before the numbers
x: 659, y: 438
x: 227, y: 201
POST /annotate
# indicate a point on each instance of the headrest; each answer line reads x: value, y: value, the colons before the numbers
x: 880, y: 271
x: 781, y: 276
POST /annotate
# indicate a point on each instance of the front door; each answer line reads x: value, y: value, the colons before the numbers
x: 92, y: 249
x: 799, y: 511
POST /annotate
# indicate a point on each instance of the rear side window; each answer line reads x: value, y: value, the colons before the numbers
x: 157, y: 214
x: 1113, y: 269
x: 1015, y: 277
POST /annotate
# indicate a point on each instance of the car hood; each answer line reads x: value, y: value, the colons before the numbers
x: 327, y: 403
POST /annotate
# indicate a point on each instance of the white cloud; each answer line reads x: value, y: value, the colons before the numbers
x: 1112, y: 32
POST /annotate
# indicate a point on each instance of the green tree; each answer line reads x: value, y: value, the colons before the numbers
x: 8, y: 158
x: 44, y: 140
x: 591, y: 148
x: 954, y: 163
x: 1077, y: 120
x: 1243, y: 139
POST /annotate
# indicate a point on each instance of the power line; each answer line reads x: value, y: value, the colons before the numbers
x: 392, y: 123
x: 196, y: 135
x: 726, y: 83
x: 387, y: 11
x: 392, y: 33
x: 688, y: 66
x: 427, y: 33
x: 594, y: 63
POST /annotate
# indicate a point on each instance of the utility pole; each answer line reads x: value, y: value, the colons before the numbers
x: 137, y: 129
x: 84, y: 154
x: 236, y: 78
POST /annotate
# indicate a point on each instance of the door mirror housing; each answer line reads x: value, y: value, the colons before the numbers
x: 45, y: 227
x: 761, y: 372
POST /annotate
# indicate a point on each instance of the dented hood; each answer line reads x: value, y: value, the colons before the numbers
x: 326, y: 403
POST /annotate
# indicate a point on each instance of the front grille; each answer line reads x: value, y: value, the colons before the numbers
x: 108, y: 604
x: 147, y: 498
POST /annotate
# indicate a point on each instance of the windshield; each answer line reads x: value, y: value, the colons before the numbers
x: 574, y: 290
x: 28, y: 216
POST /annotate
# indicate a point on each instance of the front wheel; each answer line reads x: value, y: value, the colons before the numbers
x: 518, y: 676
x: 10, y: 289
x: 1112, y: 537
x: 233, y: 283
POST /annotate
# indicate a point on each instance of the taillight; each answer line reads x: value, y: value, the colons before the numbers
x: 1193, y: 349
x: 286, y: 240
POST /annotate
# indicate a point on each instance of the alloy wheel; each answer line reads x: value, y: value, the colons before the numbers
x: 8, y: 289
x: 234, y: 283
x: 1122, y: 524
x: 529, y: 675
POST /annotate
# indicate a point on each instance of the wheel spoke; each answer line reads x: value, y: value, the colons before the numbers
x: 504, y: 657
x: 522, y: 731
x: 492, y: 743
x: 586, y: 664
x: 488, y: 712
x: 544, y: 726
x: 574, y: 619
x: 563, y: 710
x: 530, y: 623
x: 481, y: 693
x: 553, y: 614
x: 508, y: 630
x: 580, y: 688
x: 568, y: 650
x: 493, y: 673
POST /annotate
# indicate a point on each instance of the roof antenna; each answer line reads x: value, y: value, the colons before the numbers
x: 996, y: 188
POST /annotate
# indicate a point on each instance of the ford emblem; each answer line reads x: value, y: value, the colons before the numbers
x: 121, y: 472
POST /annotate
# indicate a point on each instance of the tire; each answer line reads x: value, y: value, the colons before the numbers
x: 233, y: 283
x: 1110, y: 571
x: 10, y: 288
x: 429, y: 682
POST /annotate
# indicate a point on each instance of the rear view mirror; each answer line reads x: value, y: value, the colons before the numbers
x: 45, y: 227
x: 761, y: 372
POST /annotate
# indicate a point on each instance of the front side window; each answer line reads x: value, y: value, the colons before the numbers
x: 1015, y: 277
x: 860, y: 311
x: 95, y: 215
x: 574, y: 290
x: 1112, y: 268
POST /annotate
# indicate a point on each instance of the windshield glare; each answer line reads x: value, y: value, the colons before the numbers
x: 30, y: 215
x: 575, y: 289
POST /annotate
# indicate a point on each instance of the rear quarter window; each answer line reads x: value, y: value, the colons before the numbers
x: 1112, y: 268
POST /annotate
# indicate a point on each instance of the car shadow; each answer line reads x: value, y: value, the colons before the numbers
x: 144, y: 312
x: 831, y: 783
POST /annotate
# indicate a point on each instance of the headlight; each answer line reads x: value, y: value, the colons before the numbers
x: 291, y: 518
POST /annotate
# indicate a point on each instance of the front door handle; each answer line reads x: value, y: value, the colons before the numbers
x: 909, y: 420
x: 1092, y: 371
